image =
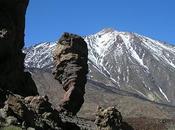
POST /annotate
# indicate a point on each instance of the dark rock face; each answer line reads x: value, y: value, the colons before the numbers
x: 12, y: 75
x: 70, y: 57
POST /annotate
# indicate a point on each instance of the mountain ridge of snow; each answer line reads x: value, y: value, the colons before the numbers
x: 124, y: 60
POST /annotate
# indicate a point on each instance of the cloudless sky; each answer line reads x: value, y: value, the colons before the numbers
x: 46, y: 20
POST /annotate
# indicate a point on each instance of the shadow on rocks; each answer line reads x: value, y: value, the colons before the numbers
x: 126, y: 126
x: 70, y: 126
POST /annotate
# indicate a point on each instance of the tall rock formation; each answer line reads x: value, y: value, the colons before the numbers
x: 12, y: 75
x: 70, y: 57
x: 22, y: 108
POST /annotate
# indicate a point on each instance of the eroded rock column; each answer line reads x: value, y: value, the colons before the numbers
x: 70, y: 57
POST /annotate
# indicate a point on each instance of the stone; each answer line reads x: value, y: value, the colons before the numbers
x: 3, y: 113
x: 11, y: 120
x: 19, y: 109
x: 30, y: 128
x: 32, y: 111
x: 70, y: 58
x: 40, y: 104
x: 108, y: 119
x: 12, y: 76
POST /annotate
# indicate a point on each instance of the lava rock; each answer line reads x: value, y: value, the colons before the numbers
x: 70, y: 57
x: 16, y: 106
x: 34, y: 111
x: 12, y: 75
x: 108, y: 119
x: 39, y: 104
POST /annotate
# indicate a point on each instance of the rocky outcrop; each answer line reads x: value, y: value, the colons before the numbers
x: 70, y: 57
x: 110, y: 119
x: 34, y: 112
x: 12, y: 75
x: 19, y: 104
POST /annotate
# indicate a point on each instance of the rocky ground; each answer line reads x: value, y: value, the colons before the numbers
x: 141, y: 114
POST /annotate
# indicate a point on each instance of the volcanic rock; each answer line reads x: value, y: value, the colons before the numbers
x: 108, y: 119
x: 70, y: 57
x: 12, y: 75
x: 35, y: 112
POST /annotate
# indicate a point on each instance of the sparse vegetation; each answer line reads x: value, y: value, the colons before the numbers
x: 171, y: 127
x: 11, y: 128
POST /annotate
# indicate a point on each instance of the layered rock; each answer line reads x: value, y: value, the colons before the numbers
x: 12, y: 75
x: 70, y: 57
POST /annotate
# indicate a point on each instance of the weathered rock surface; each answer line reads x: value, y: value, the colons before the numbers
x: 110, y: 119
x: 12, y: 75
x: 33, y: 111
x: 70, y: 57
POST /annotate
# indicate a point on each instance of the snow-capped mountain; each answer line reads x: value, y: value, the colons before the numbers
x: 124, y: 61
x: 39, y: 55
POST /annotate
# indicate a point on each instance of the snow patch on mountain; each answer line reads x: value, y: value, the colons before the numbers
x: 39, y: 56
x: 123, y: 60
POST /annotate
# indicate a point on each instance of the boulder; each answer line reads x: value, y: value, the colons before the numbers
x: 39, y: 104
x: 15, y: 106
x: 108, y: 119
x: 34, y: 111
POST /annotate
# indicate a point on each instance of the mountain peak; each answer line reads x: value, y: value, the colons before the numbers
x: 128, y: 61
x: 106, y: 30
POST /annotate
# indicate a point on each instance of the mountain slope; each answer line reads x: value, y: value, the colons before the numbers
x: 100, y: 94
x: 124, y: 61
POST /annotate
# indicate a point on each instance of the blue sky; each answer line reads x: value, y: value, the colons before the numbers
x: 46, y: 20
